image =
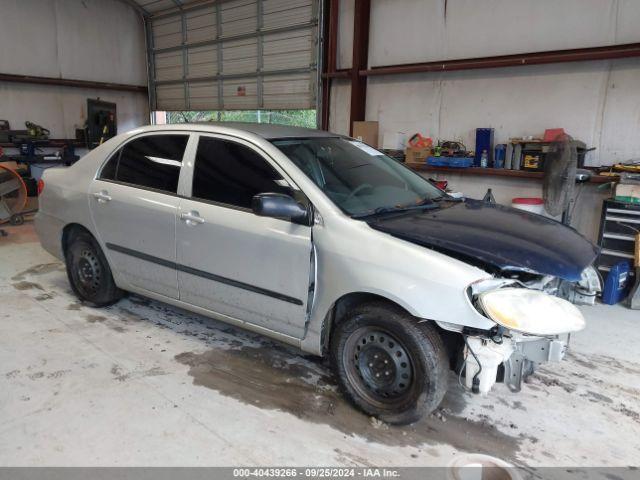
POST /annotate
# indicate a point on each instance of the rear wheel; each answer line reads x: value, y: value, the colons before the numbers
x: 389, y: 365
x: 89, y: 273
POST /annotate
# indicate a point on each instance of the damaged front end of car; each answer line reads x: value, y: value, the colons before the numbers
x: 581, y: 292
x: 534, y: 315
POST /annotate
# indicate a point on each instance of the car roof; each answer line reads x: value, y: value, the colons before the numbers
x: 265, y: 130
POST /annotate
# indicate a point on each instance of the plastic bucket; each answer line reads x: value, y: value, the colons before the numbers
x: 475, y: 466
x: 533, y: 205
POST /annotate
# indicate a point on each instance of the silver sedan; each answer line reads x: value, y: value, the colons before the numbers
x: 322, y: 242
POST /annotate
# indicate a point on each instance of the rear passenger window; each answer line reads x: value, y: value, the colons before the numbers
x: 230, y: 173
x: 152, y: 161
x: 109, y: 170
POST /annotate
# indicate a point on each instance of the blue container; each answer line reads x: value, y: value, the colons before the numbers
x: 454, y: 162
x: 484, y: 141
x: 500, y: 153
x: 617, y: 283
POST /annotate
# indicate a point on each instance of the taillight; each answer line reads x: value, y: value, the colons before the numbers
x: 40, y: 187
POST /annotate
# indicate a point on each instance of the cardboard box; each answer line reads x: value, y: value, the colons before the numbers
x: 417, y: 155
x: 394, y: 141
x: 366, y: 132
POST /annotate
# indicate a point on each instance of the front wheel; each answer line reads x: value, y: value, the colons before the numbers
x: 89, y: 273
x: 389, y: 365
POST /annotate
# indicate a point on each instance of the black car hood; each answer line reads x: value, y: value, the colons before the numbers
x: 495, y: 237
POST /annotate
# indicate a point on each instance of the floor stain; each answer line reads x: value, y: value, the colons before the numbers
x: 108, y: 322
x: 45, y: 296
x: 549, y: 381
x: 117, y: 372
x: 40, y: 269
x: 597, y: 397
x: 58, y: 373
x: 27, y: 286
x: 95, y: 318
x: 350, y: 459
x: 597, y: 362
x: 121, y: 376
x: 272, y: 377
x: 632, y: 414
x: 74, y: 306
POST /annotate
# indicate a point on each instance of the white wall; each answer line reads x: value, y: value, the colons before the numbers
x: 597, y: 102
x: 97, y: 40
x: 586, y: 214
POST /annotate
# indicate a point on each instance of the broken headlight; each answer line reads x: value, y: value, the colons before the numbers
x: 530, y: 311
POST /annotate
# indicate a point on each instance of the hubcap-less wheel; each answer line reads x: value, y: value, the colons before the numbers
x: 378, y: 365
x: 88, y: 272
x: 388, y: 363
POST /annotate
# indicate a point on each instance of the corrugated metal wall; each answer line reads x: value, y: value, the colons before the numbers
x: 237, y: 54
x: 93, y: 40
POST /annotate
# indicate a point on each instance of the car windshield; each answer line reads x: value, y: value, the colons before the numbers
x: 358, y: 178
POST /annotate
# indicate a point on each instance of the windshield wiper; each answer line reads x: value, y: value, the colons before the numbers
x: 447, y: 198
x: 398, y: 208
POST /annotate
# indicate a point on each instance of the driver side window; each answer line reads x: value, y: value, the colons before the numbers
x: 229, y: 173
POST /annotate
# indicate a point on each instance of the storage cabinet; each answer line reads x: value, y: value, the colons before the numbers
x: 618, y: 226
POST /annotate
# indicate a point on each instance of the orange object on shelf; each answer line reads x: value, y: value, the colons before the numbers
x: 418, y: 141
x: 554, y: 135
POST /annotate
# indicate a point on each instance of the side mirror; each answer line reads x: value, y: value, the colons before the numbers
x: 279, y: 205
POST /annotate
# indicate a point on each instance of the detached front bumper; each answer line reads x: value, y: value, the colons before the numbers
x: 518, y: 355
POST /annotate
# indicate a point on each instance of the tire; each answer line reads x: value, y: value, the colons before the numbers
x: 389, y: 365
x: 89, y: 273
x: 16, y: 219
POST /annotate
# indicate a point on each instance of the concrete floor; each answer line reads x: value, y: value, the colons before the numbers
x: 142, y: 383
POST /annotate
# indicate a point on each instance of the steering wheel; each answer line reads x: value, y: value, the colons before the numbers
x: 357, y: 190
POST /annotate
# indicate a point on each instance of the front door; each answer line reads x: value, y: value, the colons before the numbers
x: 134, y: 206
x: 230, y: 261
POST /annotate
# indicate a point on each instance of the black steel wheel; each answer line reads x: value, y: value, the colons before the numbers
x: 389, y: 365
x: 89, y: 273
x: 380, y: 367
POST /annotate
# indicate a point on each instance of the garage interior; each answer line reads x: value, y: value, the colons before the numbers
x: 472, y: 95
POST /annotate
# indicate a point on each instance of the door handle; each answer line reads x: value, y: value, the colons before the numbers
x: 192, y: 218
x: 102, y: 196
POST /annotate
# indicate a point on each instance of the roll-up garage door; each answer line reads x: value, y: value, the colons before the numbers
x: 234, y: 55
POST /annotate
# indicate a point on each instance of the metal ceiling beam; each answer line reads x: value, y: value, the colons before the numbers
x: 517, y: 60
x: 68, y: 82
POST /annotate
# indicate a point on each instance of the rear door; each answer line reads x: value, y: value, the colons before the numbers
x: 231, y: 261
x: 134, y: 204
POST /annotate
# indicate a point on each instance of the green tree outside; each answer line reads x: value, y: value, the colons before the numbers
x: 297, y: 118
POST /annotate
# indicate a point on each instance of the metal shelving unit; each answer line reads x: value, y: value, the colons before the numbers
x: 618, y: 225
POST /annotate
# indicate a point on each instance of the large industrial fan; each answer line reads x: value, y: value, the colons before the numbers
x: 13, y: 196
x: 560, y: 177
